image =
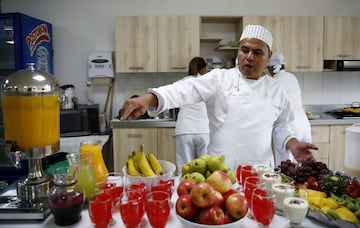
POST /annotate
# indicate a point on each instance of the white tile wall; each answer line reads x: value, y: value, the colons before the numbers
x: 317, y: 87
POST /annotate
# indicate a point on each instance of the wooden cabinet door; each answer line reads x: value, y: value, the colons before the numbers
x: 126, y: 140
x: 178, y: 42
x: 303, y: 47
x: 341, y: 38
x: 136, y: 44
x: 337, y: 147
x: 275, y: 24
x: 321, y: 138
x: 167, y: 144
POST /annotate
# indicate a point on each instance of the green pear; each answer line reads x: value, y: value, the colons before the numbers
x: 186, y: 176
x: 205, y: 157
x: 198, y: 165
x: 208, y: 173
x: 216, y: 163
x: 186, y: 169
x: 197, y: 177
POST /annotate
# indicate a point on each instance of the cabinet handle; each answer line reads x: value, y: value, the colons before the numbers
x: 343, y: 55
x: 303, y: 67
x: 134, y: 136
x: 178, y: 67
x: 136, y: 68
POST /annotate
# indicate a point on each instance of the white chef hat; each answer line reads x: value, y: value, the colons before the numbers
x: 277, y: 59
x: 258, y: 32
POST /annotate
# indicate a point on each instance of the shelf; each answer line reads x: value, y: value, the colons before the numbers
x: 210, y: 40
x: 226, y: 48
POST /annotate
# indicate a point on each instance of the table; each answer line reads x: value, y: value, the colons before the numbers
x: 173, y: 222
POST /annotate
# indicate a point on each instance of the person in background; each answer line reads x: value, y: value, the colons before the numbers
x: 246, y: 109
x: 192, y: 125
x: 289, y: 82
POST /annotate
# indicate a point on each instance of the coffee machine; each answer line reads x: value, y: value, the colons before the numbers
x: 31, y: 111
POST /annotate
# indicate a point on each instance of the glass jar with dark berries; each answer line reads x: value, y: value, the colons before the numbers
x: 66, y: 197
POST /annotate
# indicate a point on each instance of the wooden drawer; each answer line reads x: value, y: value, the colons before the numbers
x: 320, y: 133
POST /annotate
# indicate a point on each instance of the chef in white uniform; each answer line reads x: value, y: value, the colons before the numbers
x: 245, y: 107
x: 289, y: 82
x: 192, y: 124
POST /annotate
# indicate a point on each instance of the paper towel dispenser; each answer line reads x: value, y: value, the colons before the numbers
x: 100, y: 64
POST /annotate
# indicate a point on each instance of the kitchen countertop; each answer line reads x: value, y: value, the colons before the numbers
x: 322, y: 119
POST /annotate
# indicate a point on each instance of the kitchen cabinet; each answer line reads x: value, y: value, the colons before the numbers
x: 160, y: 141
x: 136, y: 44
x: 337, y: 147
x: 155, y: 43
x: 300, y: 38
x: 275, y: 24
x: 303, y: 43
x: 321, y: 138
x: 341, y: 37
x: 178, y: 42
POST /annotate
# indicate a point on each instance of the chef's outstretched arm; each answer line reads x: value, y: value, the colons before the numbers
x: 301, y: 150
x: 135, y: 107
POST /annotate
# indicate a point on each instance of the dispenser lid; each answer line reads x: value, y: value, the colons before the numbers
x: 30, y: 81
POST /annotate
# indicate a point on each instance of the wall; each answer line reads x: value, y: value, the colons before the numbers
x: 82, y: 26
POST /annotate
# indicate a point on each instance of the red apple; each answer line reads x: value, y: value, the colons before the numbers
x: 203, y: 195
x: 212, y: 216
x: 220, y: 181
x: 228, y: 193
x: 185, y: 186
x: 219, y: 199
x: 185, y: 208
x: 236, y: 205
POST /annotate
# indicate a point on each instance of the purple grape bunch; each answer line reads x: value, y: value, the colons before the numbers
x: 302, y: 171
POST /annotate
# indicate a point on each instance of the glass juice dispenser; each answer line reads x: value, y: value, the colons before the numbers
x: 31, y: 110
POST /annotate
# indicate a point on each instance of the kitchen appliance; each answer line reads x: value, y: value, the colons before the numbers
x: 31, y: 111
x: 348, y: 65
x: 24, y: 39
x: 68, y: 99
x: 81, y: 121
x: 350, y: 112
x: 352, y: 155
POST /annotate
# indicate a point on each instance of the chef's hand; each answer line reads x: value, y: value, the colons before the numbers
x: 135, y: 107
x: 301, y: 150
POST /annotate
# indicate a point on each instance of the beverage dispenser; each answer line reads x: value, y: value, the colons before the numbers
x: 31, y: 111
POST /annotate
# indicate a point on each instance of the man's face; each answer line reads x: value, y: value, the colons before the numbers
x: 253, y: 57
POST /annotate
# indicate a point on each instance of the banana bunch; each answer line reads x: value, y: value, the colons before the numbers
x: 140, y: 164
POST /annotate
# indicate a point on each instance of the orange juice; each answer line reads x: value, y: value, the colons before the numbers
x: 32, y: 121
x: 95, y: 147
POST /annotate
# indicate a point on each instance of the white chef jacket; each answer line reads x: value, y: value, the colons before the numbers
x: 242, y: 112
x: 192, y: 132
x: 300, y: 124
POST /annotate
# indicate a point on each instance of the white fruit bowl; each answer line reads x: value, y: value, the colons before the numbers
x: 168, y: 167
x: 188, y: 224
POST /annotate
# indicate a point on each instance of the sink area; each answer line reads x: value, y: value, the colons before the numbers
x: 161, y: 122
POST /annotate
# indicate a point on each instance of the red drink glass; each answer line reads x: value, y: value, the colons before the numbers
x: 158, y: 208
x: 132, y: 208
x: 100, y: 210
x: 247, y: 171
x: 164, y: 185
x: 263, y: 205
